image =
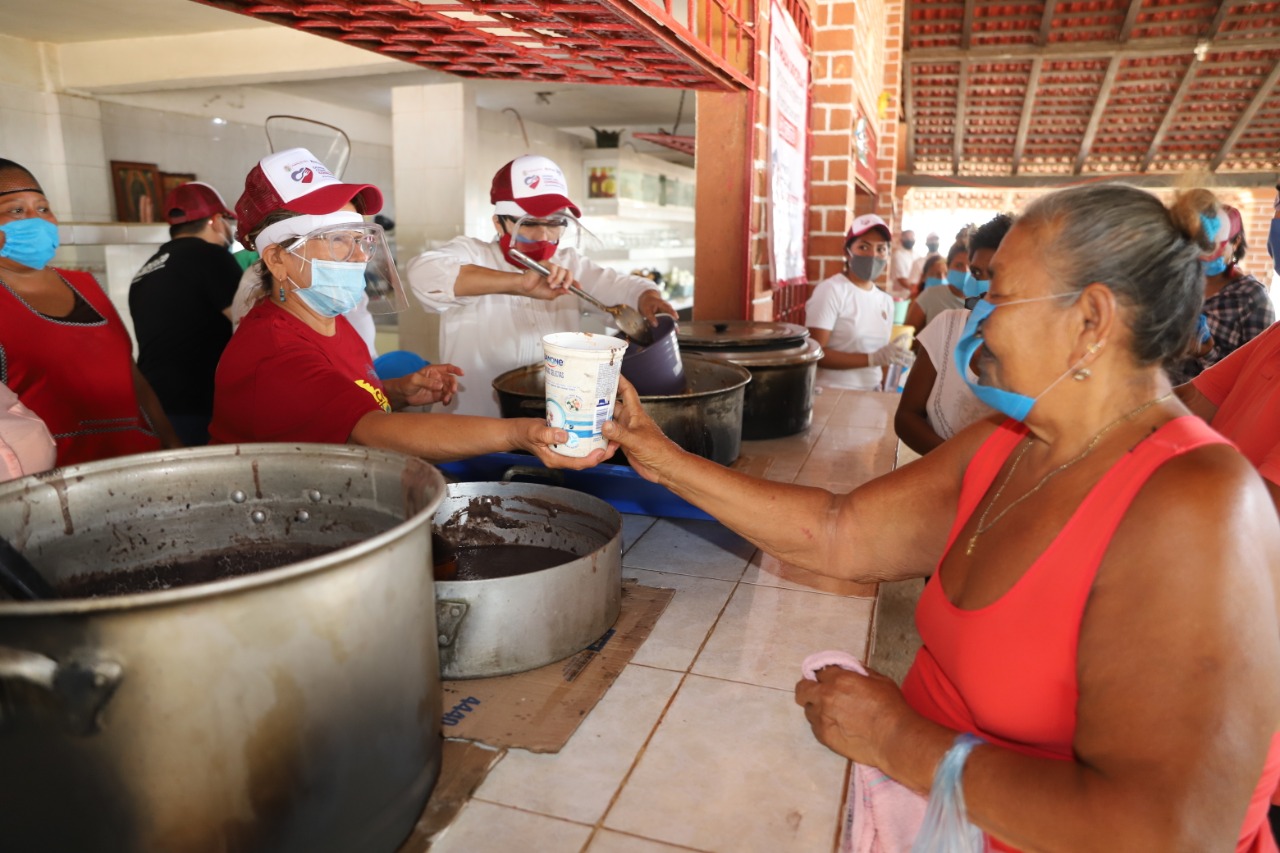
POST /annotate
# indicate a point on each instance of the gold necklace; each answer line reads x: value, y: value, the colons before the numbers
x: 983, y: 526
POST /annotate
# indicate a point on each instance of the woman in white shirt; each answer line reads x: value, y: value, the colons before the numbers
x: 851, y: 318
x: 494, y: 313
x: 936, y: 402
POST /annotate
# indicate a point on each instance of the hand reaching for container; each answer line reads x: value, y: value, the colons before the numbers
x: 892, y: 353
x: 435, y: 383
x: 635, y: 432
x: 536, y: 437
x: 652, y: 304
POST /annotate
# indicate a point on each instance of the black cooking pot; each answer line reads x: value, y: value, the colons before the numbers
x: 705, y: 419
x: 782, y: 360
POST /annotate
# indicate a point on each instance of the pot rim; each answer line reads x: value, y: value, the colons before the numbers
x: 281, y: 574
x: 744, y: 377
x: 806, y: 353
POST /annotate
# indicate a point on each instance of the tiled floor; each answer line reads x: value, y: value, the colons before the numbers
x: 699, y: 744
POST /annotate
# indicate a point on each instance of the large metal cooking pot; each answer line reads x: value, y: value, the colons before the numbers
x: 706, y: 419
x: 295, y: 709
x: 500, y: 625
x: 783, y: 361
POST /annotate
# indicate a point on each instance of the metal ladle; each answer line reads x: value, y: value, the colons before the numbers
x: 630, y: 321
x: 19, y: 578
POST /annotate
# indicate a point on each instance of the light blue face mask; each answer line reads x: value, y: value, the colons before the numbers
x: 30, y: 242
x: 934, y: 282
x: 956, y: 278
x: 1273, y: 239
x: 972, y: 287
x: 1217, y: 266
x: 1011, y: 403
x: 336, y: 287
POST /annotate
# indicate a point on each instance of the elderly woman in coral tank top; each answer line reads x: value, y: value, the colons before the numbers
x: 1102, y: 613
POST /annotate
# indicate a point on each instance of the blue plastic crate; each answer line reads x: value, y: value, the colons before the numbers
x: 618, y: 485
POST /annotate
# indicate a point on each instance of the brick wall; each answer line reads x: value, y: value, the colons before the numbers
x: 1254, y: 204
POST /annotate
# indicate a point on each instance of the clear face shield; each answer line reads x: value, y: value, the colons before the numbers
x: 540, y: 237
x: 351, y: 260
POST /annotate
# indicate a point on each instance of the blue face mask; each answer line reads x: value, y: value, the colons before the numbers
x: 956, y: 278
x: 1217, y: 266
x: 30, y: 242
x: 1273, y: 239
x: 972, y: 287
x: 336, y: 287
x: 934, y: 282
x: 1010, y: 403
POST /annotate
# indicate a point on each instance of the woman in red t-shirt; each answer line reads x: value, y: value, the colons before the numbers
x: 296, y: 370
x: 63, y: 349
x: 1102, y: 614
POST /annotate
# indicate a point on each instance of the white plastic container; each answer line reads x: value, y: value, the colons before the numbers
x: 581, y: 371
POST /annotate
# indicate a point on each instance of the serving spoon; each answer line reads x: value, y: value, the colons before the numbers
x: 630, y: 321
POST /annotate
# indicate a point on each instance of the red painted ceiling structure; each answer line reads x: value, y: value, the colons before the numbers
x: 1095, y: 87
x: 688, y: 44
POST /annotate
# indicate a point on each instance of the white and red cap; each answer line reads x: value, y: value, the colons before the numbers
x: 530, y: 186
x: 297, y: 181
x: 193, y: 201
x: 865, y: 223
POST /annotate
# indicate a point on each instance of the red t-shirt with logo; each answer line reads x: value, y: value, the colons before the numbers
x: 280, y: 380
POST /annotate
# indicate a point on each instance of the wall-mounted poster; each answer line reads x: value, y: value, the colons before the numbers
x: 137, y: 189
x: 788, y: 193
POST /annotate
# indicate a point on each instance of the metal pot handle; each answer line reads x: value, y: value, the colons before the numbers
x: 79, y: 687
x: 533, y: 473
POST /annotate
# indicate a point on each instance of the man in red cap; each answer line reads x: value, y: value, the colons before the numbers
x: 851, y: 317
x: 179, y: 302
x: 494, y: 312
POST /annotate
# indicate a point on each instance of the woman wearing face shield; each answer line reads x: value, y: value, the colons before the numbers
x: 296, y: 370
x: 1102, y: 616
x: 63, y: 348
x: 851, y: 317
x: 494, y: 311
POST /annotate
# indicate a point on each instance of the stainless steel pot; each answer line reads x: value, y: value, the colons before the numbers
x: 296, y: 709
x: 706, y: 419
x: 783, y: 361
x: 501, y: 625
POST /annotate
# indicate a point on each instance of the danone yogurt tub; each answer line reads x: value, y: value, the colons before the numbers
x: 581, y: 372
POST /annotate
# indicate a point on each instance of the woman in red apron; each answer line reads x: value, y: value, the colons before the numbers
x: 63, y: 349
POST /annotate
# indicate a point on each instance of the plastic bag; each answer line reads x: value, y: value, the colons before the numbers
x: 946, y: 827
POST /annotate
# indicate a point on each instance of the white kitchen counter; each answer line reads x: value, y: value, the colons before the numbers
x: 699, y: 744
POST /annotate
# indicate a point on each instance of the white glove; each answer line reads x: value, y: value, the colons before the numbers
x: 892, y: 353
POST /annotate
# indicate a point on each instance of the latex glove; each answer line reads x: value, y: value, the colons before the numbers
x: 892, y: 353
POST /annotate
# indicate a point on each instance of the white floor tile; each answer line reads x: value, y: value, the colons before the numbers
x: 687, y: 621
x: 615, y: 842
x: 633, y: 527
x: 487, y: 827
x: 765, y: 632
x: 691, y: 547
x: 733, y: 767
x: 578, y: 782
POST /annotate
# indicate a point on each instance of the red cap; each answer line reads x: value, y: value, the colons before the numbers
x: 530, y: 185
x: 865, y: 223
x: 295, y: 180
x: 193, y: 201
x: 1233, y: 216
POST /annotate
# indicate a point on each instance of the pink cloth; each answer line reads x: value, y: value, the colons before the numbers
x: 26, y: 447
x: 881, y: 816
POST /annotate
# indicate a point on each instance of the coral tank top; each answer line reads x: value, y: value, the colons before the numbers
x: 1007, y: 672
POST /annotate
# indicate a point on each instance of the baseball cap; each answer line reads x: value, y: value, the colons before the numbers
x: 1233, y: 216
x: 530, y: 185
x: 296, y: 180
x: 865, y: 223
x: 192, y: 201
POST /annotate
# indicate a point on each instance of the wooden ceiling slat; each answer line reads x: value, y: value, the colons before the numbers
x: 1264, y: 92
x: 1175, y: 104
x: 958, y: 150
